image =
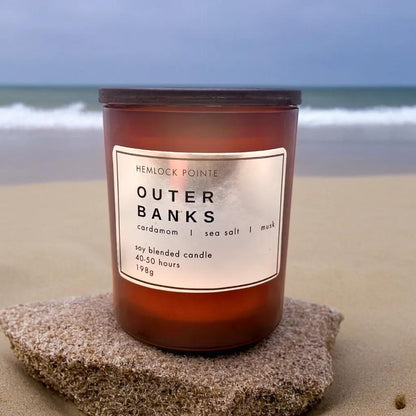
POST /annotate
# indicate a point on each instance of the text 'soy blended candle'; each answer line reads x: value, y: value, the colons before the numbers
x: 199, y: 184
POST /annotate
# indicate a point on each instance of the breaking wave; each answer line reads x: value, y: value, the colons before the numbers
x: 75, y: 116
x: 381, y: 116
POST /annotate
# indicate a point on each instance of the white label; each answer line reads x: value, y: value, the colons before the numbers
x: 198, y: 222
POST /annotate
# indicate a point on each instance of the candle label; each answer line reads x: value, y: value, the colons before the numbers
x: 198, y: 222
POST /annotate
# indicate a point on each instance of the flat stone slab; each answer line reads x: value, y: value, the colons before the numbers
x: 75, y: 347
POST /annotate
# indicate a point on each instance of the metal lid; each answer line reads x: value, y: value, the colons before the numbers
x: 200, y: 96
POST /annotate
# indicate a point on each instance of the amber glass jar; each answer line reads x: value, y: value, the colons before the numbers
x: 199, y: 185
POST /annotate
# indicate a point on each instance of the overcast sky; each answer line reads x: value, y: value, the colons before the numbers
x: 206, y: 42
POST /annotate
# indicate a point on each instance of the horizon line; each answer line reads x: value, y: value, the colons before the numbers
x: 285, y: 86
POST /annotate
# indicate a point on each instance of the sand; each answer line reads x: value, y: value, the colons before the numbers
x: 352, y: 245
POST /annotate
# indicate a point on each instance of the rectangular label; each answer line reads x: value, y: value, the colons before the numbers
x: 198, y: 222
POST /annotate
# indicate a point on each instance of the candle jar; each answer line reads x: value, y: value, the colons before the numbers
x: 199, y: 186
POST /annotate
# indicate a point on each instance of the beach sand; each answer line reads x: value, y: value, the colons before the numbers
x: 352, y: 245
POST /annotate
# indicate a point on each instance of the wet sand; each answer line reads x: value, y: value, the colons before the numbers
x: 76, y: 155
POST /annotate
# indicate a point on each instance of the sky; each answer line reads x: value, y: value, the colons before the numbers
x: 208, y: 42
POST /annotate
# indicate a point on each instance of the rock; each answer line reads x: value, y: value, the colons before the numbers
x: 75, y: 347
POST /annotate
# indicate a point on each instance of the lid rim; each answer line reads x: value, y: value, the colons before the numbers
x: 199, y: 96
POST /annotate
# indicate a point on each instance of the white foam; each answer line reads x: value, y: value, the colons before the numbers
x: 382, y: 116
x: 73, y: 116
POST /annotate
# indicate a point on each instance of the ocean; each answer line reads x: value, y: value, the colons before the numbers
x: 55, y: 133
x: 78, y: 108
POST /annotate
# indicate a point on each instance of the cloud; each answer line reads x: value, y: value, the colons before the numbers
x: 208, y: 42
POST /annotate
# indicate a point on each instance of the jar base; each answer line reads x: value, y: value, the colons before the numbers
x: 199, y: 348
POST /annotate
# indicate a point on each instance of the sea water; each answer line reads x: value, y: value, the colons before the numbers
x: 55, y: 133
x: 77, y: 107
